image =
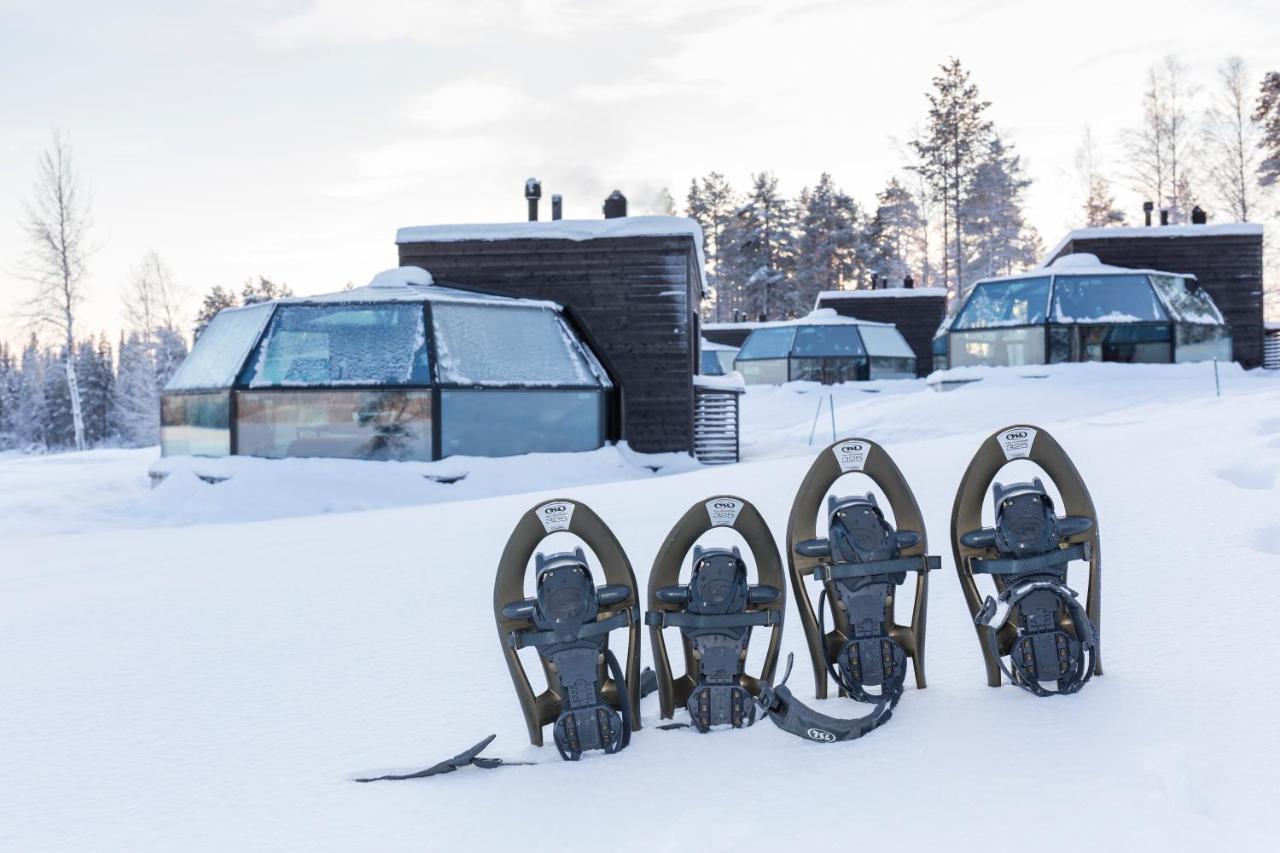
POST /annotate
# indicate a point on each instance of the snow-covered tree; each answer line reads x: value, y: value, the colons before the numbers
x: 1267, y: 115
x: 96, y: 372
x: 895, y: 234
x: 1231, y: 140
x: 711, y: 203
x: 1099, y: 202
x: 136, y: 402
x: 827, y: 245
x: 9, y: 379
x: 948, y: 153
x: 998, y: 243
x: 214, y: 301
x: 759, y: 252
x: 263, y: 290
x: 57, y: 228
x: 1162, y: 149
x: 30, y: 413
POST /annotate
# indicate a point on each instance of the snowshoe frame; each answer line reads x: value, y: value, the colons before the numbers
x: 534, y: 526
x: 1022, y: 441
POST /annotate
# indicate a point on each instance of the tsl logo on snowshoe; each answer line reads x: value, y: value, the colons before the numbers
x: 723, y: 511
x: 851, y: 455
x: 555, y: 516
x: 821, y: 735
x: 1016, y: 443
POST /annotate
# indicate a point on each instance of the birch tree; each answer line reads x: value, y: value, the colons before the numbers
x: 1231, y: 142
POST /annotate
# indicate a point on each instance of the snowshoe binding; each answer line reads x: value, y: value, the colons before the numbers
x: 1036, y: 619
x: 715, y: 612
x: 591, y: 700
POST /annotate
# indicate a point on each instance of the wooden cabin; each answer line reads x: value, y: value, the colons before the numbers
x: 1225, y: 259
x: 631, y: 285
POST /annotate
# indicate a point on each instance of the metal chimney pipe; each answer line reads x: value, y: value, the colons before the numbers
x: 556, y: 205
x: 615, y: 206
x: 533, y: 192
x: 1164, y: 216
x: 1147, y: 207
x: 1198, y: 216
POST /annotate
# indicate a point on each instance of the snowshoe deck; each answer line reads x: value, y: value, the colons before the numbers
x: 862, y: 456
x: 618, y: 607
x: 727, y: 696
x: 977, y: 554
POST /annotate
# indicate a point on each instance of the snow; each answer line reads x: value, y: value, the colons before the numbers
x: 886, y: 293
x: 816, y: 317
x: 712, y: 345
x: 1225, y: 229
x: 1109, y: 317
x: 206, y: 667
x: 402, y: 277
x: 220, y: 352
x: 731, y: 381
x: 561, y: 229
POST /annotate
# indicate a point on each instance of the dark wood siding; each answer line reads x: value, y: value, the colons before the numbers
x: 917, y: 317
x: 1229, y: 266
x: 634, y: 297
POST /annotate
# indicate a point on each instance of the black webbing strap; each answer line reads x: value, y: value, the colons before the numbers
x: 890, y: 690
x: 1079, y: 620
x: 1023, y: 565
x: 792, y: 715
x: 462, y: 759
x: 624, y: 697
x: 683, y: 619
x: 525, y: 639
x: 848, y: 571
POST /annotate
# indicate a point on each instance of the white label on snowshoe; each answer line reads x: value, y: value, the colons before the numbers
x: 724, y: 511
x: 821, y: 735
x: 555, y: 516
x: 1017, y: 442
x: 852, y: 455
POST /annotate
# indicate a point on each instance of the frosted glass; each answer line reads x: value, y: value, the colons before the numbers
x: 220, y: 351
x: 381, y: 343
x: 885, y: 340
x: 504, y: 345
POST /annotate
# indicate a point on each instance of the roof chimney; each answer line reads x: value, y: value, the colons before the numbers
x: 615, y: 206
x: 1147, y: 207
x: 556, y: 204
x: 1198, y: 216
x: 533, y: 192
x: 1164, y: 216
x: 908, y: 282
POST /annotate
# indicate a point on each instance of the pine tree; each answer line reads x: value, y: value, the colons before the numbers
x: 711, y: 204
x: 263, y: 290
x: 827, y: 247
x: 895, y: 235
x: 1267, y: 114
x: 759, y: 253
x: 9, y: 379
x: 214, y: 301
x: 993, y: 208
x: 30, y: 414
x: 949, y: 152
x: 60, y: 419
x: 1100, y: 202
x: 136, y: 403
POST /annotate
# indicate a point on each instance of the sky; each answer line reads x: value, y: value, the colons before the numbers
x: 291, y: 139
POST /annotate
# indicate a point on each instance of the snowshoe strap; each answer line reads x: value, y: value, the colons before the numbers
x: 792, y: 715
x: 684, y: 619
x: 462, y: 759
x: 892, y: 689
x: 993, y: 615
x: 531, y: 638
x: 1023, y: 565
x: 848, y: 571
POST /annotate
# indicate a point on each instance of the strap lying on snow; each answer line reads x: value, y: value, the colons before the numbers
x: 462, y: 759
x: 1022, y: 565
x: 792, y: 715
x: 847, y: 571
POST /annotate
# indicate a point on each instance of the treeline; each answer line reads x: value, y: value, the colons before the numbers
x: 955, y: 213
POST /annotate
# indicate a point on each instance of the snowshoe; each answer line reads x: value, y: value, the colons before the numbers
x: 591, y: 700
x: 860, y: 564
x: 1035, y: 620
x: 715, y: 612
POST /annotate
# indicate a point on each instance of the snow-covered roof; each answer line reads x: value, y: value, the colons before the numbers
x: 886, y: 293
x: 1225, y: 229
x: 1078, y: 263
x: 561, y: 229
x: 712, y: 345
x: 816, y: 317
x: 413, y: 284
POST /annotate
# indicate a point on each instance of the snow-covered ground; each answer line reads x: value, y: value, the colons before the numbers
x: 206, y: 667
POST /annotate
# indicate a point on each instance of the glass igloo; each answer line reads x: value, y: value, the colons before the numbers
x: 402, y: 369
x: 824, y: 347
x: 1079, y: 309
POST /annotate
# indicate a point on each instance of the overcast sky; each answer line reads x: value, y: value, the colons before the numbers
x: 290, y: 139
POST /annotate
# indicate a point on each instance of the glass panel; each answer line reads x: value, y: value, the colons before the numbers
x: 769, y: 371
x: 889, y: 367
x: 710, y: 364
x: 195, y: 424
x: 726, y: 357
x: 341, y: 424
x: 1001, y: 347
x: 1104, y: 299
x: 839, y: 340
x: 221, y: 349
x: 1202, y: 343
x: 767, y: 343
x: 1186, y: 302
x: 885, y: 340
x: 507, y: 423
x: 1147, y: 343
x: 506, y: 345
x: 1063, y: 340
x: 358, y: 344
x: 1005, y: 303
x: 829, y: 371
